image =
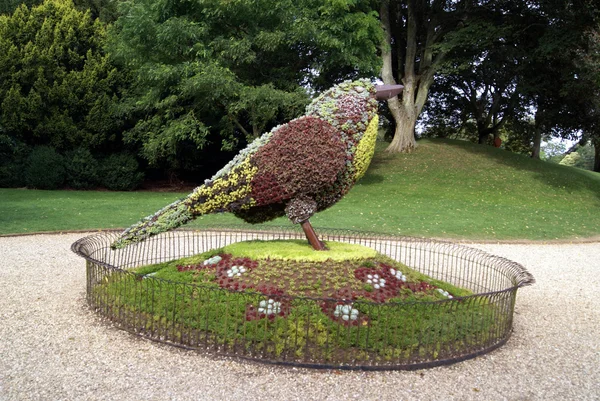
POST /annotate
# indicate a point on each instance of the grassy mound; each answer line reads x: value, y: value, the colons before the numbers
x: 457, y: 189
x: 446, y: 189
x: 370, y: 303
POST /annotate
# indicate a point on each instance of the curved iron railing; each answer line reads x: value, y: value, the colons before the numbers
x: 400, y: 335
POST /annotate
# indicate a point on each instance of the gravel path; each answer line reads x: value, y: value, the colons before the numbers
x: 53, y: 348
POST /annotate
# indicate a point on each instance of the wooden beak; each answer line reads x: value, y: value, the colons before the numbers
x: 385, y: 92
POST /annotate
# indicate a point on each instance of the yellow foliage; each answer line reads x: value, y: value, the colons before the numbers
x: 226, y: 190
x: 365, y: 149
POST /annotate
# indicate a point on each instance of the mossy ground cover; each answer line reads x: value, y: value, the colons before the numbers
x: 369, y: 305
x: 297, y: 250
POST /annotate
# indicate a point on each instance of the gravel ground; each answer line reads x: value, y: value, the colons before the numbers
x: 53, y: 348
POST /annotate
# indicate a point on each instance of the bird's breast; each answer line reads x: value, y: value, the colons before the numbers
x: 365, y: 149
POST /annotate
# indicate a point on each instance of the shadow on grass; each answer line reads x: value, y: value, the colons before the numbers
x: 371, y: 179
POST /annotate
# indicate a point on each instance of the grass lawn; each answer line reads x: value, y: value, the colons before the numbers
x: 446, y: 188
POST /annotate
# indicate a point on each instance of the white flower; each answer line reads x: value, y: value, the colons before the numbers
x: 398, y: 274
x: 375, y: 281
x: 346, y: 312
x: 212, y: 261
x: 236, y: 271
x: 270, y: 307
x: 445, y: 293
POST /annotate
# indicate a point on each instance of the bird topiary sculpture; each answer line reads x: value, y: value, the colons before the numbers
x: 296, y: 169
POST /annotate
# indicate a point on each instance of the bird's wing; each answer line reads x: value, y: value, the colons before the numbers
x: 227, y: 193
x: 301, y: 158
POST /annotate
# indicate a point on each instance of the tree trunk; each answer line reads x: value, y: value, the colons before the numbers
x: 483, y: 133
x: 537, y: 136
x: 596, y: 155
x: 537, y: 142
x: 404, y: 134
x: 405, y: 118
x: 483, y: 137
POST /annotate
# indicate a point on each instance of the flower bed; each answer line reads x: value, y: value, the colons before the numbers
x: 452, y: 303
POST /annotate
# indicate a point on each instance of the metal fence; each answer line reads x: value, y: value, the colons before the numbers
x: 398, y: 335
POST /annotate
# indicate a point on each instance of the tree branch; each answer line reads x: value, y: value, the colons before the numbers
x: 411, y: 41
x: 240, y: 126
x: 387, y: 75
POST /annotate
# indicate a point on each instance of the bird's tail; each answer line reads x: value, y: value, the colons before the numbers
x: 168, y: 218
x: 229, y: 191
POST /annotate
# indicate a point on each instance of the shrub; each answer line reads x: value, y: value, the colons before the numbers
x: 45, y: 169
x: 13, y: 156
x: 81, y: 169
x: 57, y: 85
x: 120, y: 172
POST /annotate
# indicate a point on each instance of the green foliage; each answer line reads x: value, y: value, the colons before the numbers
x: 571, y: 159
x: 121, y: 172
x: 82, y: 169
x: 45, y: 168
x: 476, y: 93
x: 422, y: 36
x: 13, y: 156
x: 9, y: 6
x: 226, y: 72
x: 105, y: 10
x: 582, y: 157
x: 524, y: 64
x: 57, y: 87
x: 297, y: 250
x: 553, y: 151
x: 192, y: 301
x: 517, y: 136
x: 589, y: 97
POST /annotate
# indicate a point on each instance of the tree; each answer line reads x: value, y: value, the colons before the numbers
x: 497, y: 74
x: 477, y: 89
x: 553, y: 151
x: 552, y: 83
x: 225, y: 72
x: 515, y: 63
x: 57, y: 87
x: 105, y: 10
x: 582, y: 157
x: 9, y: 6
x: 589, y: 62
x: 418, y: 36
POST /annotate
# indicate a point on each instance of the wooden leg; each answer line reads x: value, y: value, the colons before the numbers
x: 311, y: 235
